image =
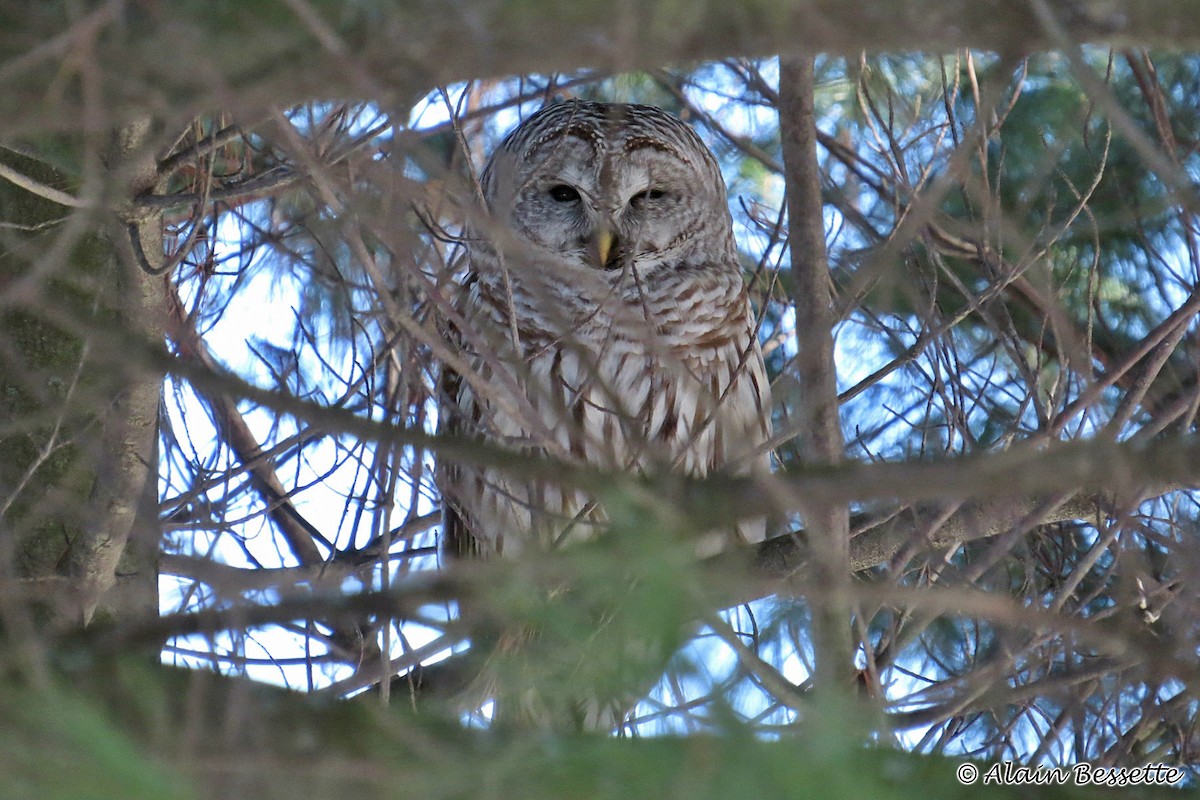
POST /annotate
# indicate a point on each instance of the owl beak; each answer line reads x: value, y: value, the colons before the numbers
x: 603, y: 242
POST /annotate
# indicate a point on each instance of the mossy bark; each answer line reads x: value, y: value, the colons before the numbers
x: 78, y: 415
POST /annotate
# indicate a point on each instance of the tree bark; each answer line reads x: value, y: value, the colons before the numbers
x: 79, y: 476
x: 820, y: 439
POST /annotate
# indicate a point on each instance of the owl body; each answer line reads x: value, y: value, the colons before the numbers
x: 606, y: 323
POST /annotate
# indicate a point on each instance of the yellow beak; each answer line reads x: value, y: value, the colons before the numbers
x: 604, y: 242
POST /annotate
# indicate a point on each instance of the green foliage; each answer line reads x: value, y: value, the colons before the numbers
x: 595, y: 624
x: 57, y: 745
x: 173, y: 735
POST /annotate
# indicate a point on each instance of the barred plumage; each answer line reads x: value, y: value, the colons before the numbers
x: 606, y: 315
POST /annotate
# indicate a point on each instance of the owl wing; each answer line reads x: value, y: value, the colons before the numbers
x: 458, y: 417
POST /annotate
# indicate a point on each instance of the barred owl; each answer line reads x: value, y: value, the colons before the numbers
x: 605, y: 321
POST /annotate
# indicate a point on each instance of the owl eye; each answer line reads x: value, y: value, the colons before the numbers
x: 640, y: 198
x: 561, y: 193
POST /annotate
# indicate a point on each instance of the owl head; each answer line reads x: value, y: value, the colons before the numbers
x: 610, y: 188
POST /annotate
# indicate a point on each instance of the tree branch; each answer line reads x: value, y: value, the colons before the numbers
x: 877, y: 542
x: 120, y: 534
x: 299, y: 532
x: 193, y: 51
x: 819, y: 424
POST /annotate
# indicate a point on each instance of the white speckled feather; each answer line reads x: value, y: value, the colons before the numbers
x: 647, y: 361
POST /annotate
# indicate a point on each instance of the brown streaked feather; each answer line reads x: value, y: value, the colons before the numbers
x: 622, y: 371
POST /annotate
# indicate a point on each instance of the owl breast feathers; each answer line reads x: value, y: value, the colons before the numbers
x: 605, y: 321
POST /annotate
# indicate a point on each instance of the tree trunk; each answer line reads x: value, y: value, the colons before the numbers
x: 78, y: 489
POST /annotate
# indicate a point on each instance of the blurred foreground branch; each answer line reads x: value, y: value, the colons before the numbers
x: 772, y: 564
x: 190, y: 51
